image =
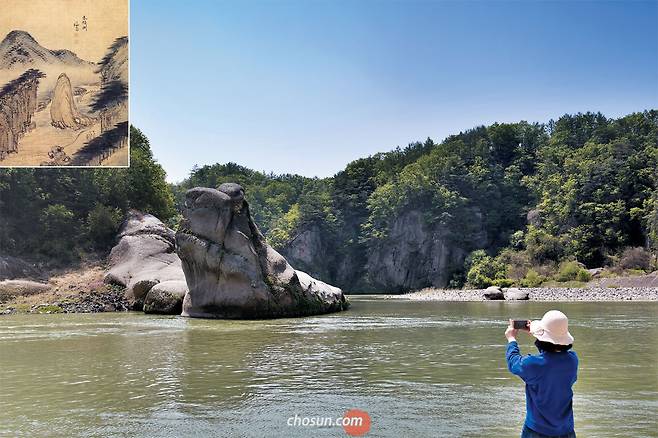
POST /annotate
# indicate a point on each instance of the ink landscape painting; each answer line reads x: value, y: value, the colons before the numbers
x: 64, y: 83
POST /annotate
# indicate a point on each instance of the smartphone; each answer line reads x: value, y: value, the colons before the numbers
x: 520, y: 323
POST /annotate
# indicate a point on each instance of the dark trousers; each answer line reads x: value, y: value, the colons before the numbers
x: 529, y: 433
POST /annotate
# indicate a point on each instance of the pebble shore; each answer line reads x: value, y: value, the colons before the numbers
x: 540, y: 294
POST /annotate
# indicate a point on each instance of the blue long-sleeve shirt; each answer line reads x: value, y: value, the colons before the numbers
x: 549, y: 377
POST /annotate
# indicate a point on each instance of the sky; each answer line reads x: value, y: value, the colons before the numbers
x: 51, y: 23
x: 307, y: 86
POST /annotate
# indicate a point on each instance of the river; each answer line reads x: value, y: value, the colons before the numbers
x: 433, y: 369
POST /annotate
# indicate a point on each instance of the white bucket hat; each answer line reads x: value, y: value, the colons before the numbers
x: 553, y: 328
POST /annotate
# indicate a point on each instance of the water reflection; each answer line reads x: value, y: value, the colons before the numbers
x: 419, y: 369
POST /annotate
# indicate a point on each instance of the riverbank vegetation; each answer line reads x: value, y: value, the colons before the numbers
x: 509, y: 204
x: 546, y: 201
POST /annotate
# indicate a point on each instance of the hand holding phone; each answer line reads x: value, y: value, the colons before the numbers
x: 521, y: 324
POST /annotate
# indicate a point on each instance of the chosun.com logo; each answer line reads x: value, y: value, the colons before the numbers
x: 355, y: 422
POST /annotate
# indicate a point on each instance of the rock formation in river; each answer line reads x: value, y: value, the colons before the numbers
x: 18, y: 101
x: 144, y: 262
x: 232, y: 272
x: 63, y: 110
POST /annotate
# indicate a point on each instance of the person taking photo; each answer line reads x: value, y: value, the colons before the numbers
x: 549, y: 375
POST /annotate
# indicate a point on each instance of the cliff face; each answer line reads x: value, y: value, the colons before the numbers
x: 414, y: 255
x: 18, y: 102
x: 307, y: 251
x: 417, y: 255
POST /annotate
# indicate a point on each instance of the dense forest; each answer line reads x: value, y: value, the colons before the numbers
x: 510, y: 203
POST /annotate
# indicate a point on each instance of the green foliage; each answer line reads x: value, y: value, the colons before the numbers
x: 483, y: 270
x: 284, y: 228
x: 597, y: 182
x: 102, y: 224
x: 542, y: 246
x: 583, y: 276
x: 58, y: 212
x: 503, y: 282
x: 572, y: 271
x: 532, y: 279
x: 58, y: 231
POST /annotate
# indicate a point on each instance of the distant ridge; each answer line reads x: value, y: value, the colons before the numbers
x: 20, y: 50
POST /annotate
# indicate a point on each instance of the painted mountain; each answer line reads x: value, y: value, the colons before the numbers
x: 58, y: 109
x: 19, y: 50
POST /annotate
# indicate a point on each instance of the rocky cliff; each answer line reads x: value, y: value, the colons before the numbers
x: 307, y: 250
x: 18, y: 102
x: 415, y: 254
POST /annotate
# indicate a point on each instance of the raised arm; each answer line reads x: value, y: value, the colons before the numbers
x: 528, y: 367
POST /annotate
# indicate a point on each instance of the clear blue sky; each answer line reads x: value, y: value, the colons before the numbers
x: 308, y: 86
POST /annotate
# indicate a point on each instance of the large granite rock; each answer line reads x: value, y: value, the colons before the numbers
x: 232, y: 272
x: 144, y: 257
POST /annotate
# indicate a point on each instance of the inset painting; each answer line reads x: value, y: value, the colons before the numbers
x: 64, y: 83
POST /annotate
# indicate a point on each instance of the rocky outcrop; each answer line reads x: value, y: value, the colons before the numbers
x: 14, y: 288
x: 307, y: 251
x: 18, y: 102
x: 515, y: 294
x: 166, y: 298
x: 493, y: 293
x: 63, y: 110
x: 13, y: 268
x: 145, y: 257
x: 416, y: 255
x: 232, y: 272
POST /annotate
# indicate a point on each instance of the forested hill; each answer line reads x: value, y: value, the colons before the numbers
x: 56, y: 217
x: 532, y: 196
x: 507, y: 203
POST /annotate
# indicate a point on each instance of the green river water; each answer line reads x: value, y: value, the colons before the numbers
x: 419, y: 369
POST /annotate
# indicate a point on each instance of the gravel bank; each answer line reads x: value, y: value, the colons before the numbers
x: 540, y: 294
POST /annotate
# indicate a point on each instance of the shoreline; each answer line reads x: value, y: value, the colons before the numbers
x: 565, y: 294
